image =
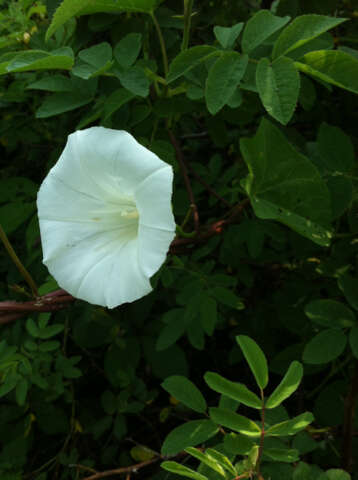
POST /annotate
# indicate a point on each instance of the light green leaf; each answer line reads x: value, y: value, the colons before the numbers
x: 284, y: 185
x: 227, y: 36
x: 72, y: 8
x: 127, y: 49
x: 278, y: 84
x: 335, y: 474
x: 302, y: 30
x: 332, y: 66
x: 188, y: 59
x: 256, y: 359
x: 260, y: 27
x: 223, y: 78
x: 186, y: 392
x: 330, y: 313
x: 234, y: 421
x: 287, y: 386
x: 222, y: 460
x: 182, y: 470
x: 41, y: 60
x: 325, y: 346
x: 353, y: 340
x: 234, y: 390
x: 291, y: 427
x: 189, y: 434
x: 206, y: 459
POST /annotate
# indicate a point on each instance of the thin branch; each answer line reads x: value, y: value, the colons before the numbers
x: 184, y: 169
x: 162, y: 44
x: 118, y: 471
x: 26, y: 275
x: 179, y: 245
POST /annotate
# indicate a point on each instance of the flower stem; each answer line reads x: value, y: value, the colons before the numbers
x: 262, y: 436
x: 188, y: 6
x: 27, y: 277
x: 162, y: 43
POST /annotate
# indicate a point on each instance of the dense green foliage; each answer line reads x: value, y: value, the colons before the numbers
x: 243, y: 361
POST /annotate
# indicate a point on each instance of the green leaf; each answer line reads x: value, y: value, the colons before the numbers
x: 50, y: 331
x: 206, y: 459
x: 353, y: 340
x: 127, y: 49
x: 349, y: 287
x: 227, y: 36
x: 281, y: 455
x: 260, y: 27
x: 41, y: 60
x: 189, y: 434
x: 32, y: 328
x: 278, y: 84
x: 291, y: 427
x: 21, y: 391
x: 330, y: 313
x: 115, y: 101
x: 208, y: 313
x: 302, y: 30
x: 97, y: 55
x: 287, y: 386
x: 8, y: 385
x: 135, y: 80
x: 256, y: 359
x: 325, y: 347
x: 53, y: 83
x: 234, y: 421
x: 60, y: 103
x: 332, y: 66
x: 14, y: 214
x: 186, y: 392
x: 188, y: 59
x: 234, y: 390
x: 227, y: 297
x: 336, y: 474
x: 237, y: 444
x: 72, y: 8
x: 335, y: 148
x: 223, y: 78
x: 284, y: 185
x: 222, y: 460
x: 182, y: 470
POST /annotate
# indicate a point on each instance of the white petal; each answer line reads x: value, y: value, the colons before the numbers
x: 153, y: 199
x: 102, y: 271
x: 153, y: 245
x: 102, y: 161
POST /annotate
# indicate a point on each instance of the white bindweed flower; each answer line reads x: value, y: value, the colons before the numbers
x: 105, y: 217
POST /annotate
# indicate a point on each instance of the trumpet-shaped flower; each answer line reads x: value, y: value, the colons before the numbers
x: 105, y: 217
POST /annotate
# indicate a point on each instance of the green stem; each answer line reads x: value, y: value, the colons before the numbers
x: 27, y: 277
x: 262, y: 436
x: 162, y: 43
x: 188, y: 6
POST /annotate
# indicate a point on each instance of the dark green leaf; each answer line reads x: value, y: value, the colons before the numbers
x: 227, y: 36
x: 278, y: 84
x: 325, y: 347
x: 234, y: 421
x: 186, y: 392
x: 259, y: 27
x: 234, y: 390
x: 255, y: 358
x: 189, y: 434
x: 291, y: 427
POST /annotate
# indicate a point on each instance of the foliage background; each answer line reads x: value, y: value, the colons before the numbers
x: 81, y: 386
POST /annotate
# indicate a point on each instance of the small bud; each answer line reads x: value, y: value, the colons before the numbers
x: 26, y: 38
